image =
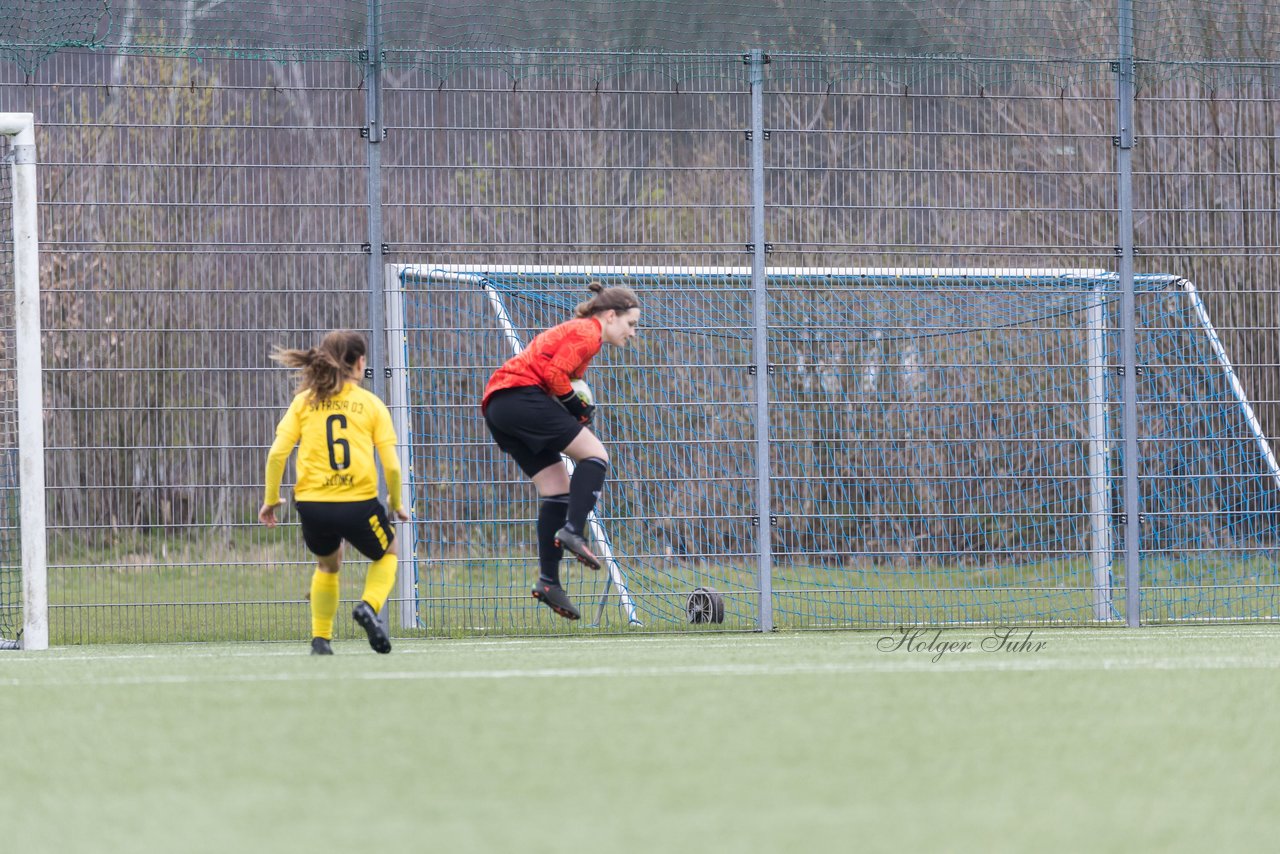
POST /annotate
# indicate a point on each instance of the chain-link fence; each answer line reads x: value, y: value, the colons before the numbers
x: 218, y: 177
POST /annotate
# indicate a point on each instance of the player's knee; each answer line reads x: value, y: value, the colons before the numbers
x: 601, y: 460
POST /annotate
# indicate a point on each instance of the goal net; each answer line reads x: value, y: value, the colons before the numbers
x: 943, y: 447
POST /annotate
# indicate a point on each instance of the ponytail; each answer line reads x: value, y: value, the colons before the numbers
x: 616, y: 298
x: 325, y: 369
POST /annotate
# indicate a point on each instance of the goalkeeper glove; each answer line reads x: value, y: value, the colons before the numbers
x: 577, y: 407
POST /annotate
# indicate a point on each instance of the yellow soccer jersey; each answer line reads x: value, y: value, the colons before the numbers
x: 336, y: 439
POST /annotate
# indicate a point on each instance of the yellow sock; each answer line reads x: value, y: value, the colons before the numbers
x: 379, y: 581
x: 324, y: 603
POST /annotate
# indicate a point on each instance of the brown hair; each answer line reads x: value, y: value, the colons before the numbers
x: 616, y: 298
x: 325, y: 369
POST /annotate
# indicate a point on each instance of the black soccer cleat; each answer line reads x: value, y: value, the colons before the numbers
x: 320, y: 646
x: 577, y: 544
x: 368, y: 620
x: 554, y: 597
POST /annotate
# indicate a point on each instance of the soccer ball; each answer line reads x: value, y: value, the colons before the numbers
x: 583, y: 391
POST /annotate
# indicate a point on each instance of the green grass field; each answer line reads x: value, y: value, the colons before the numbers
x: 244, y: 586
x: 1078, y: 740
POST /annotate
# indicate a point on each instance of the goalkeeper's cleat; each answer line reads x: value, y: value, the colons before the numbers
x: 368, y: 620
x: 553, y: 596
x: 320, y: 646
x: 577, y: 544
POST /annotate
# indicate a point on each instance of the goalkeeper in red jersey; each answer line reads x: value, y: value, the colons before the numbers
x: 337, y: 425
x: 535, y: 415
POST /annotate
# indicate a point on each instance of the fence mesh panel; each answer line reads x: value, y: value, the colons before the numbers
x: 899, y: 34
x: 205, y: 194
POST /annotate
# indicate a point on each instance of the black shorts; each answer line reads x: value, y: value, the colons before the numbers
x: 531, y: 426
x: 364, y: 524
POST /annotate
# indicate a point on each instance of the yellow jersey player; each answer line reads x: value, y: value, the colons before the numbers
x: 337, y: 425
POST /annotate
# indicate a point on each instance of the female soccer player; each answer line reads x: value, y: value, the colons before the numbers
x: 535, y: 416
x: 337, y: 425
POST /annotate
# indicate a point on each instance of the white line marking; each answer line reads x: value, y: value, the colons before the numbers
x: 888, y: 663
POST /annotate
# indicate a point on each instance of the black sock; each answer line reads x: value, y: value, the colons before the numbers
x: 584, y: 489
x: 551, y: 515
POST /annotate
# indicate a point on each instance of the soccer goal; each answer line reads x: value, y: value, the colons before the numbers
x: 942, y: 446
x: 23, y: 593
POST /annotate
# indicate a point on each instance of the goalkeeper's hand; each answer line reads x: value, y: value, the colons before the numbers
x: 577, y: 407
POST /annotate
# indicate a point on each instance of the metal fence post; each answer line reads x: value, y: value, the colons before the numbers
x: 1128, y: 312
x: 756, y: 60
x: 374, y: 132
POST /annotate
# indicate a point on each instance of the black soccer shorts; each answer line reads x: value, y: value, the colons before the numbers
x: 364, y: 524
x: 528, y: 424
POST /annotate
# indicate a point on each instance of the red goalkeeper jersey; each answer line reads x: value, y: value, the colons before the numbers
x: 551, y: 360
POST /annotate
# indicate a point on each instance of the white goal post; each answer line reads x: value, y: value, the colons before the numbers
x: 21, y: 161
